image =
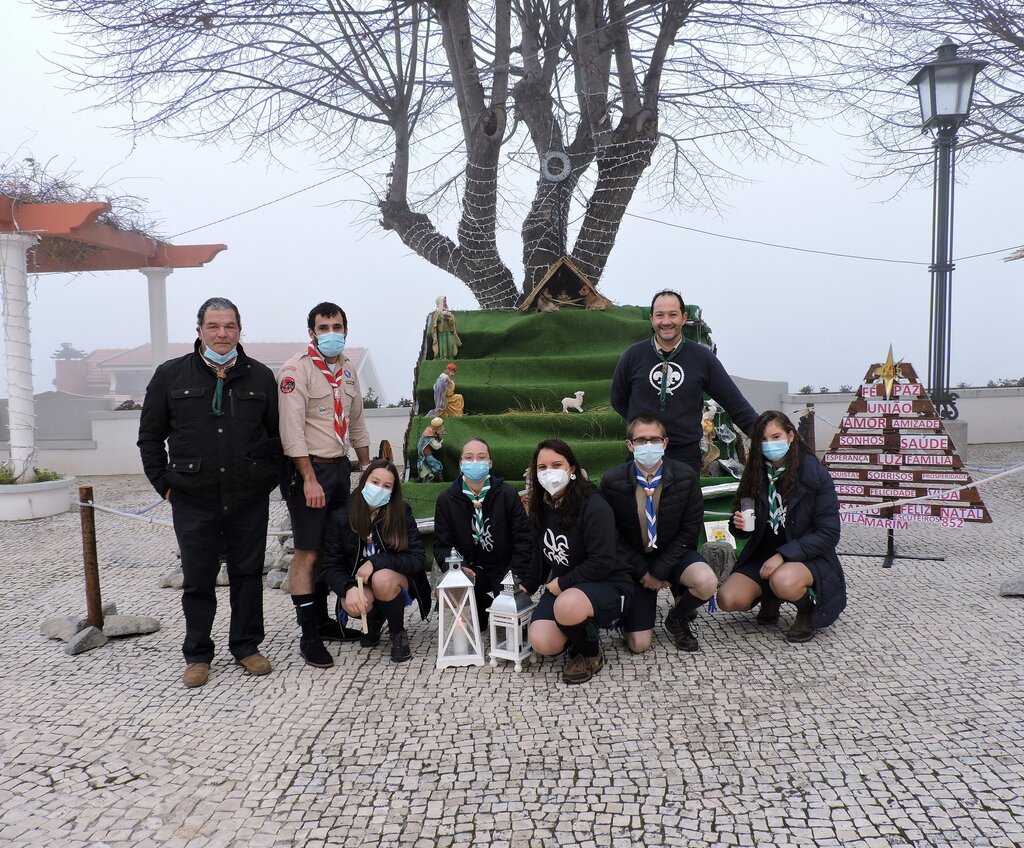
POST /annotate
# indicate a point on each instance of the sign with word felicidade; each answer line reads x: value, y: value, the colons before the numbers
x: 893, y: 447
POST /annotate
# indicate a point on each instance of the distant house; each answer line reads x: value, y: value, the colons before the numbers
x: 124, y: 374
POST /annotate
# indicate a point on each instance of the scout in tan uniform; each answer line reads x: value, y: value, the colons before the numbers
x: 321, y: 411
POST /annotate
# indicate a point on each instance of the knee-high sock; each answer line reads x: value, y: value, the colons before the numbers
x: 320, y: 595
x: 805, y: 604
x: 394, y: 612
x: 688, y: 601
x: 305, y: 615
x: 584, y: 637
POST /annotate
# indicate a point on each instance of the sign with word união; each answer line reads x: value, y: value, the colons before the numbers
x: 891, y: 448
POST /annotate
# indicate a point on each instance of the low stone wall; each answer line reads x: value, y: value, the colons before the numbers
x: 992, y: 416
x: 112, y: 449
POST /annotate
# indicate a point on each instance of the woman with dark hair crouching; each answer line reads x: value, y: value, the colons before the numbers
x: 375, y: 538
x: 790, y: 554
x: 586, y: 585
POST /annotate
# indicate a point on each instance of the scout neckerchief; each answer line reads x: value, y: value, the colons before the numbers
x: 776, y: 510
x: 665, y: 358
x: 218, y: 393
x: 649, y: 489
x: 371, y: 546
x: 479, y: 529
x: 340, y: 422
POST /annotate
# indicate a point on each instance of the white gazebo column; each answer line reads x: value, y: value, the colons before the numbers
x: 157, y: 278
x: 18, y: 350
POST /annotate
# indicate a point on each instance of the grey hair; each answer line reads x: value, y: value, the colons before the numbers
x: 217, y: 303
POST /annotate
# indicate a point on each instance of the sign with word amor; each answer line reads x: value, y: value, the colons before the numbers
x: 892, y: 461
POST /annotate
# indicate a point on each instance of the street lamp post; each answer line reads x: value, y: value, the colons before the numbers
x: 945, y: 88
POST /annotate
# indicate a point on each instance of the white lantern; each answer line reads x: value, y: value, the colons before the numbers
x: 459, y: 641
x: 509, y: 624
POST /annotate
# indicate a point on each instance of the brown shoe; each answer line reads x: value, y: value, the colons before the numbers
x: 769, y: 611
x: 256, y: 664
x: 196, y: 674
x: 801, y: 629
x: 579, y: 669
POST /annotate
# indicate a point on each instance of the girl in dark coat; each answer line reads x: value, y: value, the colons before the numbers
x: 586, y: 585
x: 482, y: 517
x: 791, y: 553
x: 376, y: 539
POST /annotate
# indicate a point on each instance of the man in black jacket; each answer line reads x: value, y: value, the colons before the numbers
x: 667, y: 376
x: 658, y: 510
x: 216, y: 410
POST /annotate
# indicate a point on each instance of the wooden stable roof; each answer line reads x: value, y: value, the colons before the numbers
x: 72, y: 238
x: 564, y: 285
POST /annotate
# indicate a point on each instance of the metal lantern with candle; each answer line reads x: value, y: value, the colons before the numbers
x: 509, y: 624
x: 459, y: 641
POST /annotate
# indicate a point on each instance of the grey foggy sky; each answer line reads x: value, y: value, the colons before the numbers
x: 775, y: 315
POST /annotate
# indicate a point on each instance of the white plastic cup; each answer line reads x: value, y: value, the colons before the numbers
x: 747, y: 513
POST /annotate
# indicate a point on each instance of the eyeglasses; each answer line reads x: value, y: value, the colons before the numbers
x: 656, y: 440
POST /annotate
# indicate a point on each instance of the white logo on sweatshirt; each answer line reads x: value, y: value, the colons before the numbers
x: 674, y: 375
x: 486, y: 541
x: 556, y: 548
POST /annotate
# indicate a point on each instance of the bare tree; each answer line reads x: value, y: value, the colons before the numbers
x: 445, y: 104
x: 904, y: 37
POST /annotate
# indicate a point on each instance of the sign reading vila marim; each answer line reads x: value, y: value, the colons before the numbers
x: 892, y: 446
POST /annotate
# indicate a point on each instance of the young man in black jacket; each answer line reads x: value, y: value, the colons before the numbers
x: 482, y: 517
x: 216, y: 409
x: 658, y: 510
x: 667, y: 376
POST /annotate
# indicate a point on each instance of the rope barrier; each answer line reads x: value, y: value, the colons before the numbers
x: 426, y: 525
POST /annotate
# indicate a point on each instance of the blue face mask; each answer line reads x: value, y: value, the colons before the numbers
x: 331, y: 344
x: 774, y: 451
x: 475, y: 470
x: 375, y: 496
x: 220, y: 358
x: 648, y: 455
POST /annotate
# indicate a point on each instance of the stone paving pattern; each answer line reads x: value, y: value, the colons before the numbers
x: 902, y: 725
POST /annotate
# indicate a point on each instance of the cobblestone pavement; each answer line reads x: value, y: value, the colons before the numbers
x: 901, y: 725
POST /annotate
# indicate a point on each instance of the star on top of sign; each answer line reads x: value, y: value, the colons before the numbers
x: 887, y: 373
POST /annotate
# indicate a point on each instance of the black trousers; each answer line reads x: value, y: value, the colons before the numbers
x: 690, y: 455
x: 204, y: 531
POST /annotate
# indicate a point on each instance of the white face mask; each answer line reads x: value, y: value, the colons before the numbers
x: 553, y: 480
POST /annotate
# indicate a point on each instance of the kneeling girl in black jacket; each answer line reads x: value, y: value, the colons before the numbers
x: 587, y: 586
x: 791, y: 553
x: 376, y: 539
x: 482, y: 517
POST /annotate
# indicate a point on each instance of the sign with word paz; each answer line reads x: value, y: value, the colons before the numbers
x: 892, y: 447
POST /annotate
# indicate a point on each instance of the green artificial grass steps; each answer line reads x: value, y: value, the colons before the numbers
x: 598, y: 439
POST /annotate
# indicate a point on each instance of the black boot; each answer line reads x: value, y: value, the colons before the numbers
x: 310, y: 645
x: 677, y: 621
x: 375, y: 623
x: 768, y: 613
x: 802, y: 630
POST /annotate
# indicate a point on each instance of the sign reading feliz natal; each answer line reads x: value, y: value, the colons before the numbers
x: 892, y: 446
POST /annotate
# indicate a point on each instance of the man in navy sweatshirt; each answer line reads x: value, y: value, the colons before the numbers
x: 667, y: 376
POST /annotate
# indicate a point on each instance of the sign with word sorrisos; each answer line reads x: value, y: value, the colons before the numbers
x: 892, y: 447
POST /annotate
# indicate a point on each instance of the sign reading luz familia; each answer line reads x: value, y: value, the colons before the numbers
x: 892, y: 447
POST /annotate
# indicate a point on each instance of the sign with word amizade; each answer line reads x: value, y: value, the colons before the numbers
x: 891, y: 447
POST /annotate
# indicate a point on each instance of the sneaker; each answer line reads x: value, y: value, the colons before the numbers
x: 314, y: 653
x: 801, y: 630
x: 196, y: 675
x: 400, y: 650
x: 769, y: 610
x: 580, y: 669
x: 375, y: 623
x: 677, y: 626
x: 256, y: 664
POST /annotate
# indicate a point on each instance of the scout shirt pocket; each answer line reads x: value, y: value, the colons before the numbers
x: 320, y: 401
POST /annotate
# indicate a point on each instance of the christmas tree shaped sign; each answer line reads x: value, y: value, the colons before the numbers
x: 893, y: 462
